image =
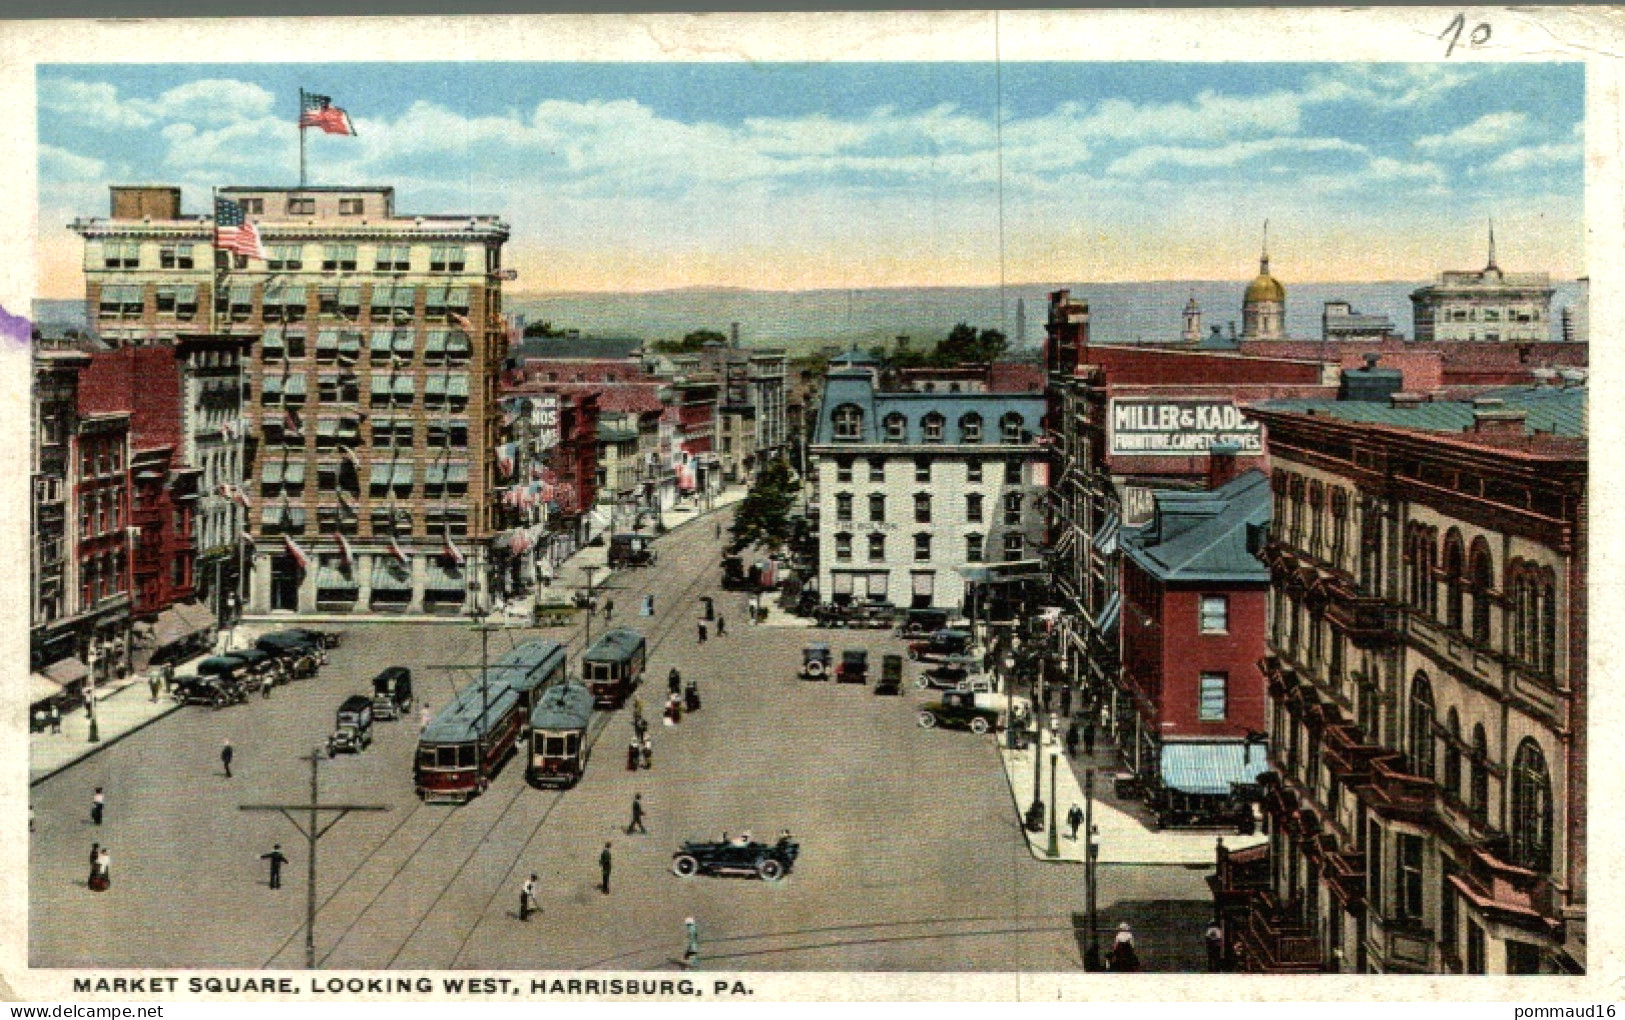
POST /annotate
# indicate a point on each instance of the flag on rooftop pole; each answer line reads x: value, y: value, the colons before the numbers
x: 233, y: 232
x: 319, y: 112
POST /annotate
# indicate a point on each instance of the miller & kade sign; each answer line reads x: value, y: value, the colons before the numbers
x: 1179, y: 428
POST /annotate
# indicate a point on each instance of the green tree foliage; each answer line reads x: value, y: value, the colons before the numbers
x: 763, y: 517
x: 690, y: 343
x: 543, y: 330
x: 964, y: 345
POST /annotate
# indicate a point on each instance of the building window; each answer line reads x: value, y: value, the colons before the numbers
x: 447, y: 258
x: 175, y: 256
x: 339, y: 257
x: 1373, y: 865
x: 843, y: 507
x: 1475, y: 948
x: 1452, y: 755
x: 896, y: 428
x: 1213, y: 696
x: 285, y: 257
x: 922, y: 469
x: 1340, y: 525
x: 922, y: 547
x: 1455, y: 579
x: 1010, y: 429
x: 1483, y: 580
x: 843, y: 548
x: 1014, y: 547
x: 877, y: 508
x: 973, y: 507
x: 1478, y: 796
x: 973, y: 471
x: 252, y: 206
x: 1215, y: 614
x: 877, y: 548
x: 301, y: 206
x: 121, y: 254
x: 1421, y: 732
x: 970, y: 428
x: 973, y: 548
x: 1530, y: 827
x: 1012, y: 508
x: 350, y: 207
x: 932, y: 427
x: 922, y: 508
x: 393, y: 258
x: 1408, y: 876
x: 877, y: 469
x: 848, y: 421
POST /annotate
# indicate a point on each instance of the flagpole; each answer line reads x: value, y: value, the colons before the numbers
x: 301, y: 122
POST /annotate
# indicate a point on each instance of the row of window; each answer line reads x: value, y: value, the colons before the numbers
x: 923, y: 470
x: 386, y: 346
x: 440, y: 391
x: 1013, y: 502
x: 387, y: 478
x: 1015, y: 547
x: 848, y: 424
x: 100, y: 459
x: 101, y: 512
x: 385, y: 258
x: 387, y: 433
x: 385, y: 521
x: 102, y: 577
x: 1529, y: 614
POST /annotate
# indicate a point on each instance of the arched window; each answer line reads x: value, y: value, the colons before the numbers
x: 848, y: 421
x: 1317, y: 519
x: 1340, y: 526
x: 1452, y: 755
x: 896, y: 427
x: 1483, y: 580
x: 1548, y: 623
x: 931, y: 426
x: 1278, y: 490
x: 970, y: 428
x: 1530, y: 828
x: 1371, y: 545
x: 1421, y: 734
x: 1454, y: 578
x: 1296, y: 500
x: 1478, y: 798
x: 1010, y: 428
x: 1517, y: 611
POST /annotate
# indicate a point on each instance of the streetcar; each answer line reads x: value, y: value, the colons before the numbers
x: 558, y: 736
x: 613, y: 666
x: 528, y: 669
x: 462, y: 749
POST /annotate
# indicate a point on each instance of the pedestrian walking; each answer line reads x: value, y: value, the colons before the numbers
x: 637, y: 710
x: 152, y: 685
x: 1214, y: 938
x: 691, y: 696
x: 640, y: 727
x: 98, y: 805
x: 606, y: 861
x: 1072, y: 734
x: 634, y: 753
x: 1074, y: 818
x: 722, y: 626
x: 56, y: 720
x: 648, y: 605
x: 1066, y: 700
x: 674, y: 681
x: 102, y: 873
x: 636, y: 824
x: 95, y: 863
x: 1089, y: 737
x: 527, y: 899
x: 609, y: 609
x: 647, y: 751
x: 1124, y: 956
x: 266, y: 685
x: 277, y: 859
x: 716, y: 530
x: 702, y: 632
x: 226, y: 754
x: 691, y: 944
x: 424, y: 717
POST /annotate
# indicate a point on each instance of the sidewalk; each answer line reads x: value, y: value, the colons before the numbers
x: 1123, y: 835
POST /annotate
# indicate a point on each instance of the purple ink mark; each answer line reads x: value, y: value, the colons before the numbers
x: 15, y: 328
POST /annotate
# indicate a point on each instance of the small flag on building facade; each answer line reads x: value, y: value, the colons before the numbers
x: 463, y: 322
x: 290, y: 421
x: 319, y: 112
x: 241, y: 497
x: 344, y: 548
x: 246, y: 537
x: 452, y: 552
x: 396, y: 551
x: 505, y: 458
x: 233, y: 232
x: 297, y: 553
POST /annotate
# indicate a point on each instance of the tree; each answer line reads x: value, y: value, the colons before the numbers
x: 763, y: 517
x: 690, y: 343
x: 964, y: 345
x: 543, y: 330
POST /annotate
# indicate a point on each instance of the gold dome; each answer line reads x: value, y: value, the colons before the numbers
x: 1264, y: 288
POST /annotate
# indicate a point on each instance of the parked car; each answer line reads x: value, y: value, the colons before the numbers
x: 632, y: 550
x: 352, y: 730
x: 323, y: 638
x: 768, y: 861
x: 206, y: 690
x: 941, y: 643
x: 919, y: 622
x: 854, y: 667
x: 976, y: 711
x: 392, y: 692
x: 891, y: 675
x: 953, y: 673
x: 816, y: 662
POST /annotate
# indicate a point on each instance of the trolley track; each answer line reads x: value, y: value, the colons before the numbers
x: 664, y: 627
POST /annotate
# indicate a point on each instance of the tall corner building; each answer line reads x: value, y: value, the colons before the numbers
x: 370, y: 398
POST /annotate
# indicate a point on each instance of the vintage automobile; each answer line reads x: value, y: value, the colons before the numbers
x: 941, y: 643
x: 816, y: 662
x: 891, y: 675
x: 392, y: 692
x: 854, y: 667
x: 324, y: 638
x: 976, y: 711
x: 768, y: 861
x: 300, y: 655
x: 206, y: 690
x: 865, y: 615
x: 953, y: 673
x: 632, y: 550
x: 919, y: 622
x: 552, y: 610
x: 352, y: 731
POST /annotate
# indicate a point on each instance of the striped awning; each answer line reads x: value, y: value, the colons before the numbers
x: 1110, y: 613
x: 1106, y: 536
x: 389, y: 575
x: 1210, y: 769
x: 443, y: 576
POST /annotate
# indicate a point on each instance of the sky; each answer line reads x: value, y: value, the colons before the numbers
x: 618, y: 177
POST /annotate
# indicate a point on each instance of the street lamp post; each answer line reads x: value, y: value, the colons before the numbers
x: 1054, y: 848
x: 1035, y: 811
x: 94, y: 654
x: 1091, y: 959
x: 590, y: 569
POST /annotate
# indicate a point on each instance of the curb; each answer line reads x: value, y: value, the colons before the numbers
x: 102, y: 745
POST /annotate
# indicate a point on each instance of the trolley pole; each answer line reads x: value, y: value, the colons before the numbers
x: 590, y: 569
x: 313, y: 831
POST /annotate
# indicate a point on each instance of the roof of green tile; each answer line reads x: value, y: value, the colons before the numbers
x: 1203, y: 536
x: 1547, y: 409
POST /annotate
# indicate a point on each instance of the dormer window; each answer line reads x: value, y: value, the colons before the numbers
x: 932, y: 425
x: 1010, y: 429
x: 970, y: 428
x: 896, y: 428
x: 848, y: 422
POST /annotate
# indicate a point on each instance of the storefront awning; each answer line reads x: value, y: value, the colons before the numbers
x: 389, y: 575
x: 1210, y: 769
x: 443, y: 576
x: 67, y: 672
x: 335, y: 576
x: 173, y: 626
x: 42, y: 688
x: 1106, y: 537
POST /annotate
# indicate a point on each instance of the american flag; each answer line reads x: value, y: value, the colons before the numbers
x: 344, y: 547
x: 319, y: 112
x: 297, y: 553
x: 233, y: 232
x: 452, y: 552
x: 396, y: 551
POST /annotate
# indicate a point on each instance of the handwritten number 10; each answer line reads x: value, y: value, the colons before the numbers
x: 1478, y: 37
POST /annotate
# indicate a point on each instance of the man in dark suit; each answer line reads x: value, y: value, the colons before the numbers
x: 277, y: 859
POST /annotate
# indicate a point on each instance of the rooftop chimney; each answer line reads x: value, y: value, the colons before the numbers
x: 1544, y: 376
x: 1572, y: 376
x: 1496, y: 421
x: 1405, y: 400
x: 1221, y: 463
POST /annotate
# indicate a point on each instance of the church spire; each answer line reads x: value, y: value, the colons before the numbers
x: 1492, y: 264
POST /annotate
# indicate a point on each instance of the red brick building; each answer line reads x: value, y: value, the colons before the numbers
x: 101, y: 495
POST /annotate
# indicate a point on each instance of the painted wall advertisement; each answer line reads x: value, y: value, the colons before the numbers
x: 1179, y: 428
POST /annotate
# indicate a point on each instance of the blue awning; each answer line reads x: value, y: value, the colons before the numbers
x: 1109, y: 614
x: 1106, y: 536
x: 1211, y: 768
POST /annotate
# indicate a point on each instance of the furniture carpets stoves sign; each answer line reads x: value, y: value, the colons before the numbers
x: 1179, y: 428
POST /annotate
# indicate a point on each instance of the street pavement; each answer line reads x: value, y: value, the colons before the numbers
x: 912, y: 857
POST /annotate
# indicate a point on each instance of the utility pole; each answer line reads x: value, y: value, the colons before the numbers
x: 590, y: 569
x: 1091, y: 960
x: 1054, y: 848
x: 313, y: 831
x: 1035, y: 810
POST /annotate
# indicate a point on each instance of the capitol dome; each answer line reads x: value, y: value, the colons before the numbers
x: 1264, y: 287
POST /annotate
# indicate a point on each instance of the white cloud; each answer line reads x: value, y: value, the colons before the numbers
x: 1537, y: 157
x: 240, y: 144
x: 58, y: 164
x: 213, y: 101
x: 1387, y: 86
x: 1151, y: 157
x: 1488, y: 131
x: 93, y: 105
